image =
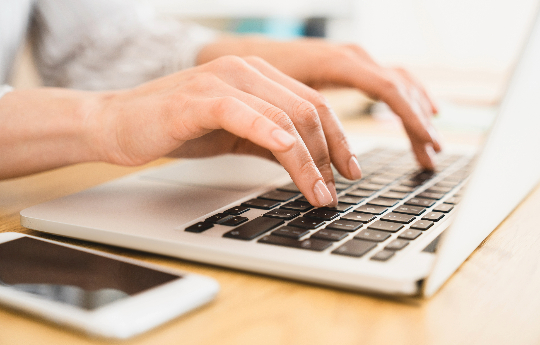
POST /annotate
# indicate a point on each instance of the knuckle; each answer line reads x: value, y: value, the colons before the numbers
x: 318, y: 100
x: 389, y: 85
x: 325, y: 167
x: 254, y: 59
x: 306, y: 115
x: 229, y: 61
x: 257, y: 123
x: 223, y: 105
x: 280, y: 118
x: 307, y: 167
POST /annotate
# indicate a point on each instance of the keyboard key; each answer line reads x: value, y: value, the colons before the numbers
x: 342, y: 179
x: 383, y: 255
x: 310, y: 244
x: 420, y: 202
x: 370, y: 186
x: 283, y: 214
x: 423, y: 175
x: 383, y: 202
x: 453, y: 200
x: 261, y: 203
x: 329, y: 235
x: 410, y: 234
x: 398, y: 218
x: 372, y: 235
x: 306, y: 223
x: 360, y: 193
x: 411, y: 183
x: 397, y: 244
x: 340, y: 207
x: 350, y: 199
x: 253, y: 228
x: 359, y: 217
x: 199, y: 227
x: 345, y: 225
x: 393, y: 195
x: 356, y: 248
x: 381, y: 180
x: 278, y: 195
x: 433, y: 216
x: 323, y: 214
x: 289, y: 231
x: 390, y: 176
x: 372, y: 209
x: 297, y: 206
x: 431, y: 195
x: 342, y: 186
x: 217, y: 218
x: 233, y: 221
x: 444, y: 208
x: 414, y: 210
x: 386, y: 226
x: 291, y: 187
x: 439, y: 189
x: 235, y: 211
x: 445, y: 183
x: 422, y: 225
x: 402, y: 189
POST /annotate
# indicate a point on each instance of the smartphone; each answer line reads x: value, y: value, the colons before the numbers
x: 98, y: 293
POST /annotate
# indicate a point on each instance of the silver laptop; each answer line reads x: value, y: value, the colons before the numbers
x: 397, y: 231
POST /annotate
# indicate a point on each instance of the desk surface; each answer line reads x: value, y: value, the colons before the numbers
x: 492, y: 299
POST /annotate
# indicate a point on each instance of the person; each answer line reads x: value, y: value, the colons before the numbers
x: 126, y: 88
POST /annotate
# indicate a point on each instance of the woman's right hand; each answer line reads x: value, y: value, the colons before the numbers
x: 231, y: 104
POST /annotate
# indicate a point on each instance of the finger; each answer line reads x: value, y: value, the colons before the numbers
x: 298, y: 160
x: 241, y: 115
x: 235, y: 117
x: 377, y: 83
x: 432, y: 104
x: 303, y: 114
x: 340, y: 152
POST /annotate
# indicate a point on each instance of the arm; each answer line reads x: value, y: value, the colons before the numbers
x: 227, y: 105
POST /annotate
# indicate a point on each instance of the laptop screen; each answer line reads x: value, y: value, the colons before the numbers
x: 506, y: 171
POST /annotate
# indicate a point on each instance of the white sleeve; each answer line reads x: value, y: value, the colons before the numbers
x: 110, y: 44
x: 5, y: 89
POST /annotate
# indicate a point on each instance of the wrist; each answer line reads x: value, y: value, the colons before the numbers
x: 44, y: 129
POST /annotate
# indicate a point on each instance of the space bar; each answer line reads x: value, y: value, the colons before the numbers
x: 254, y: 228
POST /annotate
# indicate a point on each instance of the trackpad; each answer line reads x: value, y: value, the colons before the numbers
x: 229, y: 172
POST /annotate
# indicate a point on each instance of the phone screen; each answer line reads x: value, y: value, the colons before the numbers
x: 70, y: 276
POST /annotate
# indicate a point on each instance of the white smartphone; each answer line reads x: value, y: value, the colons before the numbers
x: 100, y: 294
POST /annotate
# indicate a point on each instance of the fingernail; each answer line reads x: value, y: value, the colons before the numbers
x: 322, y: 193
x: 283, y: 138
x: 354, y: 168
x: 333, y: 192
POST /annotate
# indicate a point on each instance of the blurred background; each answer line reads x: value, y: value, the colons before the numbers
x: 461, y: 49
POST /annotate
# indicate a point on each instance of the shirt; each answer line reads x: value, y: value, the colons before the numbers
x: 97, y: 44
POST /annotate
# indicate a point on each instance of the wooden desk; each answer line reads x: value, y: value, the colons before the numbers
x: 493, y: 299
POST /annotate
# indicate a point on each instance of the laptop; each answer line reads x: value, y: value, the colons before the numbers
x: 398, y: 230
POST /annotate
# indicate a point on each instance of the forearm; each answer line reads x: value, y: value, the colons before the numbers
x: 44, y: 129
x: 284, y: 55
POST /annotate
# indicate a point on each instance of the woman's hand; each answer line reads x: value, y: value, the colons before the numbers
x: 230, y: 104
x: 318, y: 63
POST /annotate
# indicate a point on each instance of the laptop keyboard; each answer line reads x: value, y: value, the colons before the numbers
x: 377, y: 216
